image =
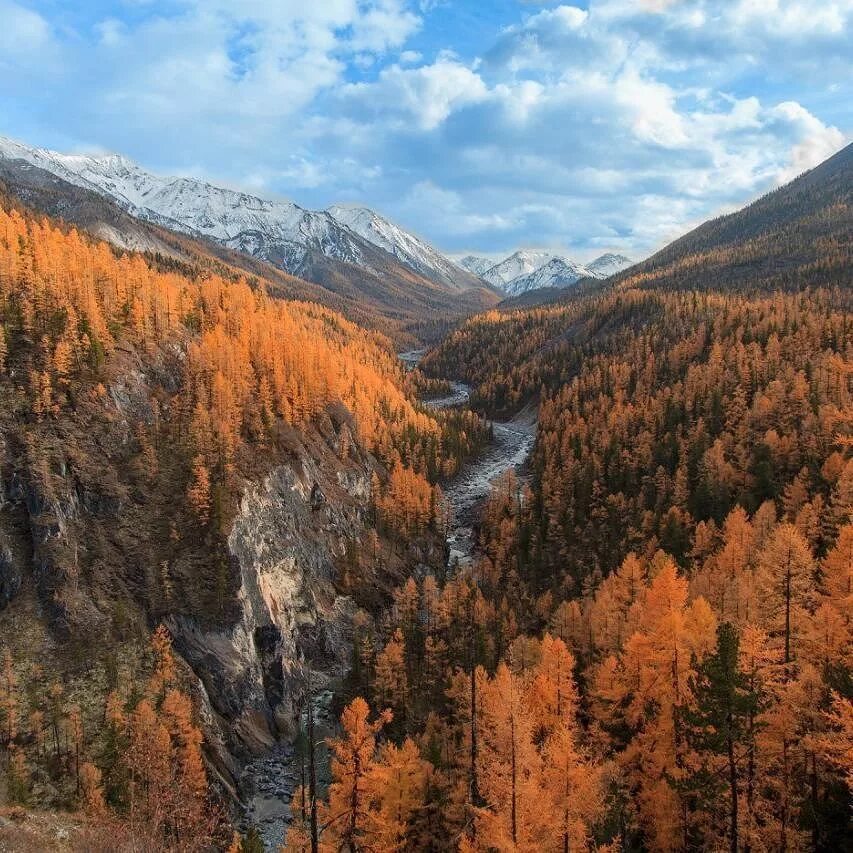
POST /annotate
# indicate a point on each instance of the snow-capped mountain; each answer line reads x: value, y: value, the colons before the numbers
x: 558, y: 272
x: 476, y: 264
x: 239, y: 220
x: 608, y: 264
x: 526, y: 270
x: 520, y: 263
x: 406, y: 247
x: 279, y: 231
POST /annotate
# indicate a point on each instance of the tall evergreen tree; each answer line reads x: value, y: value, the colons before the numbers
x: 718, y: 728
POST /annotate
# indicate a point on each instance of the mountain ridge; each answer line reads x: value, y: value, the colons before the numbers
x: 277, y: 230
x: 528, y: 269
x: 557, y: 273
x: 404, y: 245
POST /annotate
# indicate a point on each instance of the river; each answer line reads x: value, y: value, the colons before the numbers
x: 512, y: 444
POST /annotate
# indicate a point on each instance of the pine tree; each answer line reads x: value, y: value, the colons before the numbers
x: 718, y: 729
x: 399, y: 787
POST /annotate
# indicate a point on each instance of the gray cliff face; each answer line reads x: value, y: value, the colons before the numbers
x: 286, y: 539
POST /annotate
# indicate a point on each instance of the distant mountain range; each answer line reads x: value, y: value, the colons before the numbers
x: 348, y: 250
x: 527, y: 270
x: 278, y: 231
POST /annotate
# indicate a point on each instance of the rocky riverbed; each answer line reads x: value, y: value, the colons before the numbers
x: 511, y: 446
x: 271, y: 779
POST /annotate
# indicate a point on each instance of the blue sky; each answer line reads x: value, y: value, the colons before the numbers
x: 483, y: 125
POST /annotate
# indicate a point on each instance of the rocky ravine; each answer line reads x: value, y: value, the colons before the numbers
x: 290, y: 530
x: 288, y: 625
x: 286, y: 547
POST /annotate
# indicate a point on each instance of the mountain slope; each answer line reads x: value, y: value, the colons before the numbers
x: 691, y: 470
x: 406, y: 247
x: 309, y: 244
x: 796, y: 238
x: 178, y: 448
x: 239, y: 220
x: 802, y: 227
x: 388, y: 296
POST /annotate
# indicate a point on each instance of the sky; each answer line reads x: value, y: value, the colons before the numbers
x: 481, y: 125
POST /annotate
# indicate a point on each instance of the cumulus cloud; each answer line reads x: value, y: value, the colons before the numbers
x: 603, y: 158
x: 613, y: 126
x: 425, y: 95
x: 24, y: 35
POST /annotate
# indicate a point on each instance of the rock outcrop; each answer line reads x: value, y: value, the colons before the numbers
x: 285, y: 545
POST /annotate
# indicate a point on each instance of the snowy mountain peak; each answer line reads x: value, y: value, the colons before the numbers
x: 557, y: 272
x: 520, y: 263
x: 476, y: 264
x: 526, y: 270
x: 406, y: 247
x: 608, y: 264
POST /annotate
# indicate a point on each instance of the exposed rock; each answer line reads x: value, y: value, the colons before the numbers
x: 291, y: 618
x: 318, y: 499
x: 10, y: 574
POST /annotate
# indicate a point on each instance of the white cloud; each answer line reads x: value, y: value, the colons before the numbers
x: 426, y: 202
x: 792, y: 18
x: 23, y: 33
x: 814, y: 140
x: 425, y: 95
x: 218, y: 60
x: 383, y: 24
x: 613, y: 126
x: 563, y: 17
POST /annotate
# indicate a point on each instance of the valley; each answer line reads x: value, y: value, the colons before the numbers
x: 510, y: 553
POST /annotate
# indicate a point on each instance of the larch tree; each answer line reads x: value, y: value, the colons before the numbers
x: 399, y: 788
x: 574, y: 793
x: 553, y: 694
x: 509, y: 768
x: 784, y: 581
x: 391, y: 679
x: 351, y: 820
